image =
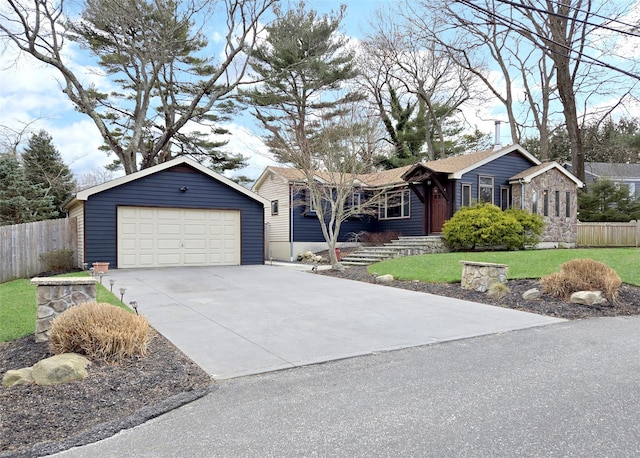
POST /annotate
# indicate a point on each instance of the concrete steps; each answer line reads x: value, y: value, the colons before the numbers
x: 403, y: 246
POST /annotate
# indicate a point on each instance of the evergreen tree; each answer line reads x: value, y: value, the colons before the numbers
x: 303, y: 66
x: 407, y: 129
x: 44, y: 166
x: 307, y: 109
x: 20, y: 200
x: 607, y: 201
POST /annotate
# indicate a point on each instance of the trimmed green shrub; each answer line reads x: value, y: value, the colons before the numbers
x: 58, y: 260
x: 485, y: 226
x: 532, y: 226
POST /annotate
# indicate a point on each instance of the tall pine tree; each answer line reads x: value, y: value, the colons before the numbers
x: 20, y: 200
x: 43, y: 165
x: 303, y: 66
x: 304, y: 104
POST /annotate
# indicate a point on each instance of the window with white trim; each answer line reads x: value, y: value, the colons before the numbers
x: 274, y: 207
x: 355, y: 201
x: 505, y: 197
x: 466, y: 194
x: 485, y: 189
x: 395, y: 205
x: 311, y: 207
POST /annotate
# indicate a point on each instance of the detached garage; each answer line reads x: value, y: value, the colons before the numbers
x: 178, y: 213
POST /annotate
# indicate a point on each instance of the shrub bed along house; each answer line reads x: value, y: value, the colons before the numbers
x: 486, y: 226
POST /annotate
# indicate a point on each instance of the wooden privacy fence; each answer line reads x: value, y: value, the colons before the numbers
x: 22, y: 244
x: 608, y: 234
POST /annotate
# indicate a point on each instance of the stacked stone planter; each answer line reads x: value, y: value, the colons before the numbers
x: 479, y: 276
x: 55, y: 295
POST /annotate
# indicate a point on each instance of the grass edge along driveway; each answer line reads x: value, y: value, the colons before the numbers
x: 18, y: 306
x: 446, y: 267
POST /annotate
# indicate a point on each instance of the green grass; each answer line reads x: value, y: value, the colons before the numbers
x: 17, y: 309
x: 446, y: 267
x: 18, y: 306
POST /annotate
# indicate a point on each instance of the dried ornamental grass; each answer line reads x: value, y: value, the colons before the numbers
x: 582, y: 275
x: 100, y: 331
x: 498, y: 290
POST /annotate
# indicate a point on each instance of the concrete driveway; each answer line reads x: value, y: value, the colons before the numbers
x: 236, y: 321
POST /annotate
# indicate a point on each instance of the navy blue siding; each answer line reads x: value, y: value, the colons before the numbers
x: 500, y: 169
x: 162, y: 190
x: 306, y: 227
x: 406, y: 226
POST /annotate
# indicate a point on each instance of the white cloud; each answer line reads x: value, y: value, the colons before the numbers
x: 243, y: 141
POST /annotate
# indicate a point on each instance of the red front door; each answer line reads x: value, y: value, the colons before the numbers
x: 438, y: 210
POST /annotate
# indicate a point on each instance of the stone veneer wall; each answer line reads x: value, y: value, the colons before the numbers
x: 479, y: 276
x: 558, y: 229
x: 54, y: 295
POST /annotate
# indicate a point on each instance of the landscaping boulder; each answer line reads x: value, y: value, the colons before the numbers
x: 60, y: 369
x: 588, y: 298
x: 532, y: 294
x: 388, y: 278
x: 18, y: 377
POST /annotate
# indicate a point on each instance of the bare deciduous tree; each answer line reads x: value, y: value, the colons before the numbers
x: 559, y: 50
x: 413, y: 61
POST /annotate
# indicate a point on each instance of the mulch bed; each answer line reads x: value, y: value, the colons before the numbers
x: 627, y: 303
x: 41, y: 420
x: 37, y: 420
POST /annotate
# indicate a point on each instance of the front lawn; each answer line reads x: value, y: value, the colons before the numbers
x: 18, y: 306
x: 446, y: 267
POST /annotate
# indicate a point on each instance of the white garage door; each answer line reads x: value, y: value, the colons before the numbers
x: 163, y: 237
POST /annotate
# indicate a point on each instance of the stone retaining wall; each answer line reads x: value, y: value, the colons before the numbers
x: 480, y: 275
x: 54, y: 295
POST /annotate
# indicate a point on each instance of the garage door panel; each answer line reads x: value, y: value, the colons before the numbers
x: 159, y: 237
x: 146, y: 244
x: 195, y: 244
x: 168, y: 258
x: 195, y: 229
x: 173, y: 229
x: 146, y: 260
x: 195, y: 259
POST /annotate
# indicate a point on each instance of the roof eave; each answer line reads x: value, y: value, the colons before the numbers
x: 86, y: 193
x: 499, y: 153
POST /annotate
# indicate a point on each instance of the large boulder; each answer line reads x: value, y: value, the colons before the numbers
x: 63, y: 368
x: 588, y: 298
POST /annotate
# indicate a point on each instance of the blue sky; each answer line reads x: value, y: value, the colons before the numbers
x: 30, y: 91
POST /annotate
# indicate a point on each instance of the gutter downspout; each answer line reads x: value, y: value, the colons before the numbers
x: 291, y: 223
x: 522, y: 189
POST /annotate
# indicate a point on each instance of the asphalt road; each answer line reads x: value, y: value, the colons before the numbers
x: 565, y: 390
